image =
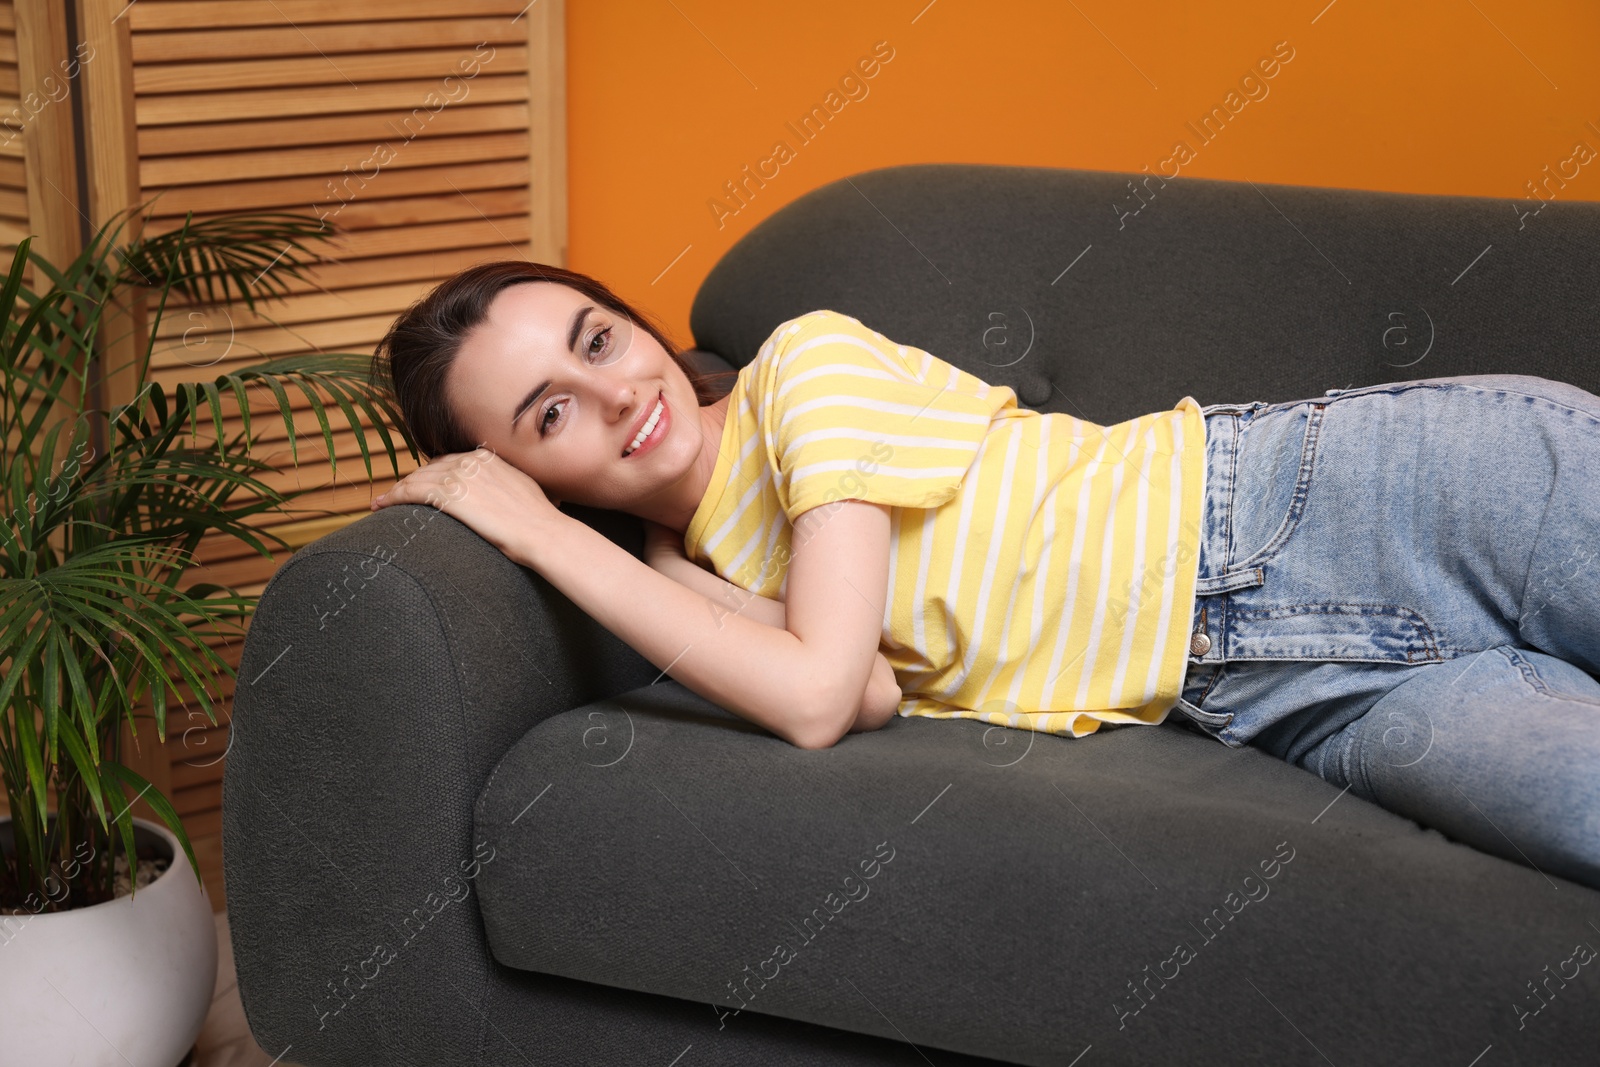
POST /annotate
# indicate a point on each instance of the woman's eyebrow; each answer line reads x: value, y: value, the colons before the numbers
x: 575, y: 328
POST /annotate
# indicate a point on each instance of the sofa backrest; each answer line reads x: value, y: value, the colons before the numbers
x: 1110, y: 295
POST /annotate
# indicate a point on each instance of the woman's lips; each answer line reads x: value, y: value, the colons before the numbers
x: 656, y: 434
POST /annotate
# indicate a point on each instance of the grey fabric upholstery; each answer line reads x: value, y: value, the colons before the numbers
x: 656, y: 842
x: 1224, y: 291
x: 379, y: 702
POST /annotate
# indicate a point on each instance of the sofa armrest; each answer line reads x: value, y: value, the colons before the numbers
x: 387, y: 669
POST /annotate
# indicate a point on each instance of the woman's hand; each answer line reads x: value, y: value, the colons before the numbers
x: 501, y: 503
x: 881, y: 699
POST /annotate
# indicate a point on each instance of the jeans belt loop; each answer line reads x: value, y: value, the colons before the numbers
x: 1228, y: 581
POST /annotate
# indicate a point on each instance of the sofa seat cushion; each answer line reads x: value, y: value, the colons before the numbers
x: 1146, y: 892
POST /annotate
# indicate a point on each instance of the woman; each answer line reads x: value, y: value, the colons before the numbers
x: 1392, y: 587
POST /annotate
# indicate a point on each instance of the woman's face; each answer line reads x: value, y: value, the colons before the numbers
x: 560, y: 387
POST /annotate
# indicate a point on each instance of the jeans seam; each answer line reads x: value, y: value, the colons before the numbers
x: 1533, y: 552
x: 1302, y: 490
x: 1233, y: 483
x: 1355, y: 768
x: 1531, y: 396
x: 1530, y: 674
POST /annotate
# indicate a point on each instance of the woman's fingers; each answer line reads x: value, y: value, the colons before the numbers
x: 499, y: 501
x: 436, y: 483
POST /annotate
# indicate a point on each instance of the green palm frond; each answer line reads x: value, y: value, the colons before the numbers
x: 101, y: 512
x: 228, y: 257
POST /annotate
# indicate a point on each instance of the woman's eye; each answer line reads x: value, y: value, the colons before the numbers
x: 604, y: 338
x: 545, y: 423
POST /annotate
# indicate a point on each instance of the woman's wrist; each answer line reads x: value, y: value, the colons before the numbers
x: 540, y: 539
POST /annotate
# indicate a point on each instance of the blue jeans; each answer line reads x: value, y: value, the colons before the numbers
x: 1400, y: 592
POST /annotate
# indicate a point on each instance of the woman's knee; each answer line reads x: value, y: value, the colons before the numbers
x: 1498, y: 750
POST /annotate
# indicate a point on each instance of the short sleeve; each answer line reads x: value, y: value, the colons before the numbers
x: 850, y: 415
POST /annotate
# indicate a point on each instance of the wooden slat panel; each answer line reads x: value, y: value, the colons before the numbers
x: 246, y: 570
x: 253, y: 346
x: 208, y: 853
x: 346, y: 497
x: 352, y: 70
x: 206, y: 822
x: 329, y: 38
x: 271, y: 445
x: 371, y: 213
x: 185, y: 776
x: 489, y: 87
x: 511, y: 232
x: 213, y: 346
x: 216, y: 326
x: 445, y: 237
x: 354, y: 128
x: 203, y: 14
x: 485, y: 239
x: 428, y: 264
x: 357, y: 165
x: 301, y: 194
x: 220, y: 549
x: 251, y: 105
x: 12, y: 232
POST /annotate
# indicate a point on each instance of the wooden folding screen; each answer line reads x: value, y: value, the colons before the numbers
x: 432, y: 134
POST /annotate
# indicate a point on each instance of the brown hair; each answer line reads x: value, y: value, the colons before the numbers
x: 412, y: 359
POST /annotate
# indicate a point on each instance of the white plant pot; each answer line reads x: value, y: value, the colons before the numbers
x: 126, y: 983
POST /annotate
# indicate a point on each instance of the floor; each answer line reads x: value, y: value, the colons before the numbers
x: 225, y: 1039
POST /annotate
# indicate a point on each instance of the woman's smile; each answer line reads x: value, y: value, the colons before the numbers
x: 654, y: 429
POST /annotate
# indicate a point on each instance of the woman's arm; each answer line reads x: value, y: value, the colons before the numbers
x: 803, y: 683
x: 811, y: 677
x: 881, y: 700
x: 663, y: 551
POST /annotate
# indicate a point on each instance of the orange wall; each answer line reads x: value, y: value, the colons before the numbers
x: 670, y: 100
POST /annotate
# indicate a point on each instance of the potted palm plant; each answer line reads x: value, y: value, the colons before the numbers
x: 103, y: 510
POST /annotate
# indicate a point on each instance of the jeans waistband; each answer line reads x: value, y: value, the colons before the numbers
x: 1225, y: 425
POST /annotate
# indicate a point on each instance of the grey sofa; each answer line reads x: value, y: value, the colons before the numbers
x: 463, y: 824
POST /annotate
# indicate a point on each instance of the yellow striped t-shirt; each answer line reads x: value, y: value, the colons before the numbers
x: 1042, y: 568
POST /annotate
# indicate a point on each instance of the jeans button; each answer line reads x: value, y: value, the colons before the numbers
x: 1200, y: 643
